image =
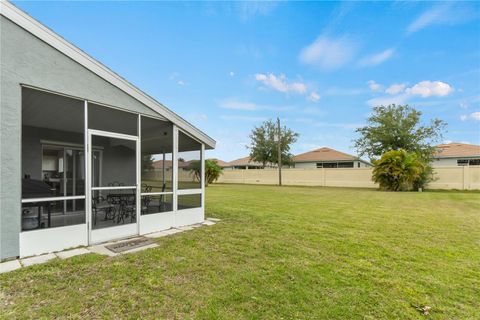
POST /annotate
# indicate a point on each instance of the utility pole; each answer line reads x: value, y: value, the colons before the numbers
x: 279, y: 136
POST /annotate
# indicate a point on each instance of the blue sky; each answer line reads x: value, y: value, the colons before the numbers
x: 319, y: 66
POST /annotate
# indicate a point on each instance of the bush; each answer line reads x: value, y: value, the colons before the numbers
x: 212, y: 171
x: 399, y: 170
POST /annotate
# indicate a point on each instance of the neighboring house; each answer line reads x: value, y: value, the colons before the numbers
x: 456, y: 154
x: 75, y: 139
x: 246, y: 163
x: 221, y: 163
x: 328, y: 158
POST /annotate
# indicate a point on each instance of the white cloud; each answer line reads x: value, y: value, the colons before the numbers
x: 377, y: 58
x: 475, y: 116
x: 175, y: 76
x: 238, y: 105
x: 395, y: 88
x: 314, y: 97
x: 329, y: 53
x: 399, y: 94
x: 232, y: 73
x: 430, y: 88
x: 386, y: 100
x: 279, y: 83
x: 374, y: 86
x: 445, y: 13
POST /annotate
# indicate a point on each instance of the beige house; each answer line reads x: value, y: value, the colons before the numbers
x: 328, y: 158
x: 246, y: 163
x: 456, y: 154
x: 221, y: 163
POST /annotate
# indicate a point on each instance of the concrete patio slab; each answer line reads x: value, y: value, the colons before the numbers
x: 72, y: 253
x: 37, y: 260
x: 158, y: 234
x: 173, y: 231
x: 185, y: 228
x: 213, y: 219
x: 100, y: 249
x: 8, y: 266
x: 208, y: 223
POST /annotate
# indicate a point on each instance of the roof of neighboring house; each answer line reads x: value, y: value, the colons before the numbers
x: 158, y: 164
x: 169, y: 164
x: 456, y: 149
x: 20, y: 18
x: 324, y: 154
x: 243, y: 162
x: 221, y: 163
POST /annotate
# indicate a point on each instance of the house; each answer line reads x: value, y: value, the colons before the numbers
x: 247, y: 163
x: 220, y: 163
x: 77, y: 142
x: 328, y: 158
x: 456, y: 154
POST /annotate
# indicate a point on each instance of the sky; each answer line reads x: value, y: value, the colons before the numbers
x: 319, y: 66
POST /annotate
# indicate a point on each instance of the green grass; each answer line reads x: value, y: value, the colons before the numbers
x: 290, y: 252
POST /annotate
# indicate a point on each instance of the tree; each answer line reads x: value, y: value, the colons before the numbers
x: 264, y: 147
x: 147, y: 162
x: 396, y: 127
x: 212, y: 170
x: 397, y: 170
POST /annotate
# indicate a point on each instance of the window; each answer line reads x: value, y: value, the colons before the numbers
x: 113, y: 120
x: 330, y: 165
x: 189, y: 201
x: 345, y: 165
x: 53, y: 160
x: 462, y: 162
x: 189, y: 162
x: 319, y: 165
x: 157, y: 203
x: 474, y: 162
x: 156, y: 166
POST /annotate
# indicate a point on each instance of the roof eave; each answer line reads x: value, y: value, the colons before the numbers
x: 19, y: 17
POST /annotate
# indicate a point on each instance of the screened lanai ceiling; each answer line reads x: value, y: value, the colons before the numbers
x: 45, y: 110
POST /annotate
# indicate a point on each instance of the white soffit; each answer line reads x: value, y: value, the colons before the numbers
x: 26, y: 22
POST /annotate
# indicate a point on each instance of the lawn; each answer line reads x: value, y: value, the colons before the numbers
x: 279, y: 253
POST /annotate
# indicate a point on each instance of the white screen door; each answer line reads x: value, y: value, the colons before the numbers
x: 113, y: 194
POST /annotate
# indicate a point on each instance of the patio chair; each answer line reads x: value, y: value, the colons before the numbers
x: 100, y: 204
x: 146, y: 199
x: 127, y: 208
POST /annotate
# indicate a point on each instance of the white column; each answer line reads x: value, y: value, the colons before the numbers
x: 202, y: 175
x: 175, y: 168
x: 87, y: 170
x: 138, y: 201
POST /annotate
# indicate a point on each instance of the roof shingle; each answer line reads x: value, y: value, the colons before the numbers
x: 323, y: 154
x: 456, y: 149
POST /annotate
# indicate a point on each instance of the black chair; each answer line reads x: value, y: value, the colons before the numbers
x: 146, y: 199
x: 100, y: 204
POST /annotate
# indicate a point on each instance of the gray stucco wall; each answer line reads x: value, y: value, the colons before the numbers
x: 26, y: 59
